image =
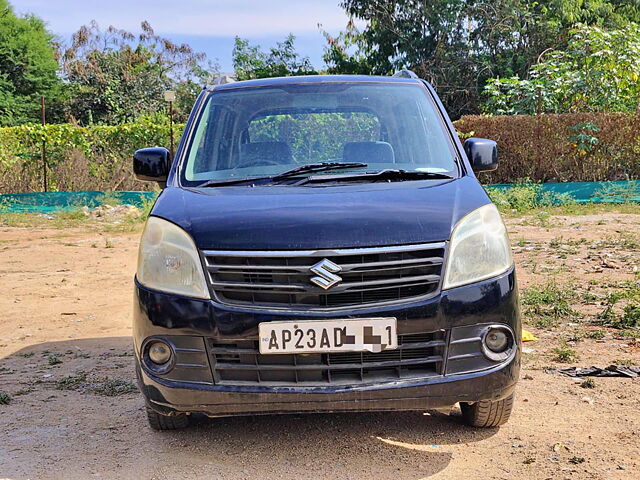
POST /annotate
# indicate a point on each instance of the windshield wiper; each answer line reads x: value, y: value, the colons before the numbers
x: 389, y: 174
x: 308, y: 168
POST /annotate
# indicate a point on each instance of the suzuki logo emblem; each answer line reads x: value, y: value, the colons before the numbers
x: 326, y: 274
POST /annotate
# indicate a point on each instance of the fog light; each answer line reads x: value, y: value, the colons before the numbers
x: 159, y: 352
x: 496, y: 340
x: 498, y: 343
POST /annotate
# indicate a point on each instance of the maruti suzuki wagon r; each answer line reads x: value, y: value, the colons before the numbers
x: 322, y: 244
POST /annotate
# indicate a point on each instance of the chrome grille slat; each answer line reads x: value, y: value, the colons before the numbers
x: 282, y: 279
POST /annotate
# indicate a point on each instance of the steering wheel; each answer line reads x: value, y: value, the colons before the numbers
x: 259, y: 162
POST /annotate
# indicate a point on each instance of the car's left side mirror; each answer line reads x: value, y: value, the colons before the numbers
x: 482, y: 154
x: 152, y: 164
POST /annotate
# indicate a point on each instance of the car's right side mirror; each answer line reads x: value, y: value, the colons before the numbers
x: 482, y: 154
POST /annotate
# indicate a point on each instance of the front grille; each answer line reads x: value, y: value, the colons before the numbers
x: 239, y: 363
x: 282, y: 279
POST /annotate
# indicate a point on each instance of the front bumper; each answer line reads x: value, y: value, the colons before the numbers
x: 455, y: 311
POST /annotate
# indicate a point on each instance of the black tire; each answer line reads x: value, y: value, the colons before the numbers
x: 486, y: 413
x: 158, y: 421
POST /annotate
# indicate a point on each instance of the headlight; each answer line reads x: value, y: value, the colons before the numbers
x: 479, y: 248
x: 168, y: 260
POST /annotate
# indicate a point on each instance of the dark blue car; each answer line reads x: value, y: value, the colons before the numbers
x: 322, y: 244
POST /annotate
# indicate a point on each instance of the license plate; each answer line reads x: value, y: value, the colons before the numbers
x: 356, y: 335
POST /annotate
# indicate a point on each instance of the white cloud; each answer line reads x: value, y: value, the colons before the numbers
x: 247, y: 18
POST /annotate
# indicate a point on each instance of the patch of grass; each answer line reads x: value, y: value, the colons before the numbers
x: 25, y: 354
x: 108, y: 198
x: 548, y: 303
x: 54, y: 360
x: 71, y: 218
x: 113, y: 387
x: 5, y: 398
x: 629, y: 317
x: 72, y: 382
x: 528, y: 460
x: 564, y: 354
x: 576, y: 460
x: 630, y: 333
x: 588, y: 383
x: 596, y: 334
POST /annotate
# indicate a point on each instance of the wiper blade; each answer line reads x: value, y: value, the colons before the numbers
x: 310, y: 167
x: 318, y: 167
x: 386, y: 174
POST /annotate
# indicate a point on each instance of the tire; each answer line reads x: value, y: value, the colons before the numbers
x: 158, y: 421
x: 485, y: 414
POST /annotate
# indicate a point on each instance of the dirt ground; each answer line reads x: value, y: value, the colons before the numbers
x: 66, y: 362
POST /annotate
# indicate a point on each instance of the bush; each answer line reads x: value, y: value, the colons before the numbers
x: 580, y: 147
x: 525, y: 195
x: 97, y: 157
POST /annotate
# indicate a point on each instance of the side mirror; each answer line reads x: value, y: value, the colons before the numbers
x: 482, y: 153
x: 152, y: 164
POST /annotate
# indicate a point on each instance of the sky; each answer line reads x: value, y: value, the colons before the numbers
x: 208, y: 26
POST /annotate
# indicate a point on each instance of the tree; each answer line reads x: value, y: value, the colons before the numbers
x: 599, y: 70
x: 458, y: 45
x: 116, y: 76
x: 249, y: 61
x: 27, y: 67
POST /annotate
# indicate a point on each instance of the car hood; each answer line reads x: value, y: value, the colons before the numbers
x: 320, y: 217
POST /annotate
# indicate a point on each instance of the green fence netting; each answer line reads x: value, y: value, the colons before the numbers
x: 581, y: 192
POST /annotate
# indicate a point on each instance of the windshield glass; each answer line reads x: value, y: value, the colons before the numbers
x: 264, y: 131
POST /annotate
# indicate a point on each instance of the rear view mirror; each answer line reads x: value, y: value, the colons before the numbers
x: 152, y: 164
x: 482, y: 154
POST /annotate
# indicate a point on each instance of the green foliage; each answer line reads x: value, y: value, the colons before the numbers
x: 5, y: 398
x: 525, y: 195
x: 249, y: 61
x: 27, y: 67
x: 629, y: 317
x: 598, y: 70
x: 96, y: 157
x: 564, y: 354
x: 459, y: 44
x: 116, y: 76
x: 548, y: 303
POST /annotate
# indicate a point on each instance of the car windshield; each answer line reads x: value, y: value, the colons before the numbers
x: 264, y: 131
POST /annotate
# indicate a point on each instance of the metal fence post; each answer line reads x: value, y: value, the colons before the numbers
x: 44, y: 146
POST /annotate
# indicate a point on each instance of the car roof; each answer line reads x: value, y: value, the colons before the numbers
x: 312, y: 79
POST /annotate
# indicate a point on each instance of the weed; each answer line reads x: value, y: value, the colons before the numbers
x: 630, y: 317
x: 588, y: 383
x: 5, y: 398
x: 619, y: 192
x: 113, y: 387
x: 71, y: 218
x: 54, y: 360
x: 71, y: 382
x: 548, y: 302
x: 630, y: 333
x: 564, y: 354
x: 595, y: 334
x: 108, y: 198
x: 528, y: 460
x: 25, y: 354
x: 576, y: 460
x: 108, y: 243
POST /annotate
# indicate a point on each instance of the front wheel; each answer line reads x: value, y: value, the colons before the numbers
x: 487, y: 413
x: 158, y: 421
